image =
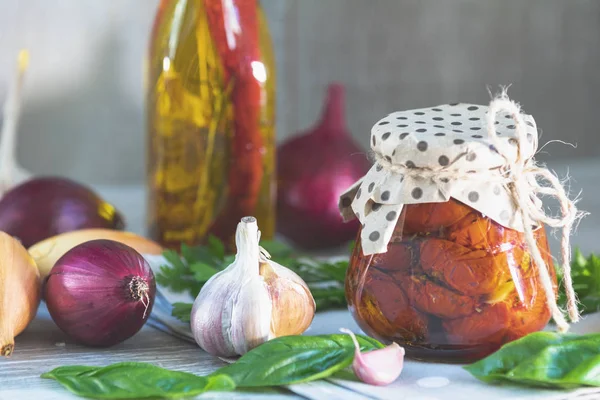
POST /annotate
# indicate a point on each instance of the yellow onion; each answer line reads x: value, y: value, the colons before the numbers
x: 19, y: 291
x: 47, y: 252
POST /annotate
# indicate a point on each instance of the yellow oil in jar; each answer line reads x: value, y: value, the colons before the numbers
x: 191, y: 120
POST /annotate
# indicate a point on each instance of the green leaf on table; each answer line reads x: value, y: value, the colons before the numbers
x: 182, y: 311
x: 276, y: 249
x: 329, y: 298
x: 294, y: 359
x: 202, y: 271
x: 176, y: 275
x: 335, y: 271
x: 281, y: 361
x: 544, y: 359
x: 217, y: 248
x: 585, y: 273
x: 210, y: 254
x: 131, y: 380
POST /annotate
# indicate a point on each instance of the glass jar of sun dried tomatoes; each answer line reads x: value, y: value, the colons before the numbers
x: 441, y: 265
x: 453, y: 285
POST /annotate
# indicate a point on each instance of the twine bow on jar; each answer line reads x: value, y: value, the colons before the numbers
x: 522, y: 179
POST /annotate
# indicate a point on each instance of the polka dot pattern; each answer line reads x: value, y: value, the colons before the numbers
x: 374, y: 236
x: 432, y: 129
x: 473, y: 196
x: 417, y: 193
x: 442, y: 138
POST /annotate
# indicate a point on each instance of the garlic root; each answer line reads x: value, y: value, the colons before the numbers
x: 251, y: 301
x: 19, y: 291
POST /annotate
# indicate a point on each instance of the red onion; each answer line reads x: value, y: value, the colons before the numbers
x: 43, y: 207
x: 313, y: 170
x: 100, y: 292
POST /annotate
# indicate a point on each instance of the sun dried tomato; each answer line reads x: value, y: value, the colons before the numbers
x: 488, y: 324
x: 471, y: 272
x: 479, y: 233
x: 530, y: 311
x: 399, y: 257
x: 431, y: 298
x: 387, y: 311
x: 432, y: 217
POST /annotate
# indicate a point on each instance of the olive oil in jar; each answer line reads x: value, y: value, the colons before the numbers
x: 210, y: 121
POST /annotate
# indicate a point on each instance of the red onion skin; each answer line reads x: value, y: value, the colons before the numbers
x: 88, y: 297
x: 43, y: 207
x: 313, y: 170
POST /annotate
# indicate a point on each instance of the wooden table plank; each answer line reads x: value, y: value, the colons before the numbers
x: 43, y: 346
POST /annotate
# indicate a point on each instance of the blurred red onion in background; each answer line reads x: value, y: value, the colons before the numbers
x: 313, y: 169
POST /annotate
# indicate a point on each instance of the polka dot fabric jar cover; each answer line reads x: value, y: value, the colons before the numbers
x: 449, y: 140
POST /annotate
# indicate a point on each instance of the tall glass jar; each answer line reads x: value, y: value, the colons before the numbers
x: 210, y: 120
x: 453, y: 285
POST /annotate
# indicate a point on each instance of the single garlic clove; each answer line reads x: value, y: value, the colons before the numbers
x: 251, y: 317
x: 293, y: 304
x: 377, y: 367
x: 231, y: 315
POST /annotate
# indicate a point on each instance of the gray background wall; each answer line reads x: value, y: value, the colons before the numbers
x: 83, y: 113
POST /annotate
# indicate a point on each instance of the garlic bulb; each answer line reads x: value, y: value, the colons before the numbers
x: 251, y: 301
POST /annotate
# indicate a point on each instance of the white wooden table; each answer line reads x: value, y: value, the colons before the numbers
x: 43, y: 346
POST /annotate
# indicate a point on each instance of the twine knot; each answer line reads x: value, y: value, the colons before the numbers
x: 524, y: 184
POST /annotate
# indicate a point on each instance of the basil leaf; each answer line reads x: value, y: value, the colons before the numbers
x: 131, y: 380
x: 544, y: 359
x: 295, y: 359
